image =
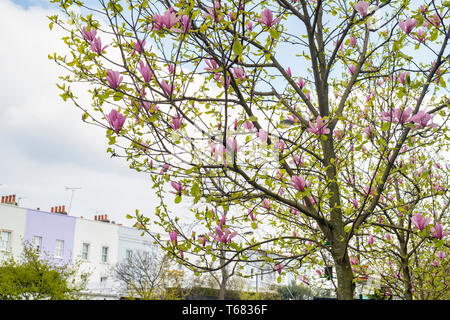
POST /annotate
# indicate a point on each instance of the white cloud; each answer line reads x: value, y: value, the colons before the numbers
x: 45, y: 146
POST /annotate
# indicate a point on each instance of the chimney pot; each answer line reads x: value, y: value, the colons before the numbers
x: 9, y: 199
x: 102, y: 217
x: 14, y: 198
x: 3, y: 199
x: 52, y: 210
x: 106, y: 217
x: 38, y: 209
x: 63, y: 209
x: 95, y: 217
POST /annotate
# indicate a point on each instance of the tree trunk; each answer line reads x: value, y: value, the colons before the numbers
x: 344, y: 274
x: 406, y: 280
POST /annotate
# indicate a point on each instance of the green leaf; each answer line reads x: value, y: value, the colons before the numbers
x: 237, y: 47
x: 178, y: 198
x: 385, y: 126
x: 118, y: 96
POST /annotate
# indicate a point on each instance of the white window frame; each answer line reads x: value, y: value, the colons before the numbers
x: 59, y: 251
x: 88, y: 246
x: 7, y: 247
x: 37, y: 246
x: 104, y: 257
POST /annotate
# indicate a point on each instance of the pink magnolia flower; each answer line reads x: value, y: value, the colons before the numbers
x: 167, y: 89
x: 319, y: 128
x: 262, y: 135
x: 299, y: 183
x: 186, y: 23
x: 138, y: 47
x: 355, y: 203
x: 213, y: 12
x: 165, y: 167
x: 212, y: 65
x: 116, y: 120
x: 168, y: 20
x: 407, y: 25
x: 402, y: 77
x: 252, y: 215
x: 145, y: 70
x: 437, y: 231
x: 353, y: 41
x: 301, y: 83
x: 371, y: 240
x: 249, y: 26
x: 173, y: 237
x: 89, y: 35
x: 239, y: 73
x: 421, y: 120
x: 176, y: 122
x: 232, y: 144
x: 362, y: 7
x: 288, y: 71
x: 419, y: 221
x: 278, y: 267
x: 96, y: 45
x: 440, y: 255
x: 224, y: 236
x: 352, y: 70
x: 387, y: 236
x: 267, y: 18
x: 178, y: 186
x: 420, y: 35
x: 353, y: 261
x: 114, y: 78
x: 248, y: 125
x: 266, y: 204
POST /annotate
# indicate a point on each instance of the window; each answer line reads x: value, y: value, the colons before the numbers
x: 104, y: 254
x: 85, y: 251
x: 128, y: 255
x: 59, y: 248
x: 37, y: 243
x: 5, y: 240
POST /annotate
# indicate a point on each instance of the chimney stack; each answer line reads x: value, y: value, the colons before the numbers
x: 95, y: 218
x: 11, y: 199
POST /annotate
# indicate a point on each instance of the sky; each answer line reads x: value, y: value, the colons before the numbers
x: 44, y: 145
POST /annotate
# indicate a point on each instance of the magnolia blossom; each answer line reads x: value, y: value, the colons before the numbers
x: 370, y: 241
x: 168, y: 20
x: 138, y: 47
x: 419, y: 221
x: 407, y: 25
x: 248, y: 125
x: 266, y: 204
x: 353, y: 41
x: 114, y: 78
x: 145, y: 70
x: 178, y: 186
x: 224, y: 236
x: 116, y: 120
x: 421, y: 120
x: 437, y: 231
x: 319, y: 128
x: 362, y: 7
x: 299, y: 183
x: 262, y: 135
x: 168, y: 89
x: 176, y: 122
x: 267, y: 18
x: 89, y: 35
x: 96, y: 45
x: 173, y: 237
x: 239, y: 73
x: 301, y: 82
x: 278, y: 267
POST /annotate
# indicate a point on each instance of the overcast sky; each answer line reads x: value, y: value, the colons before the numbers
x: 44, y: 145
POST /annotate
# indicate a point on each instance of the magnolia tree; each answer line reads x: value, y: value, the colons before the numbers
x: 301, y: 122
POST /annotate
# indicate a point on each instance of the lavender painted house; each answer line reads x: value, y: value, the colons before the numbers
x: 51, y: 233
